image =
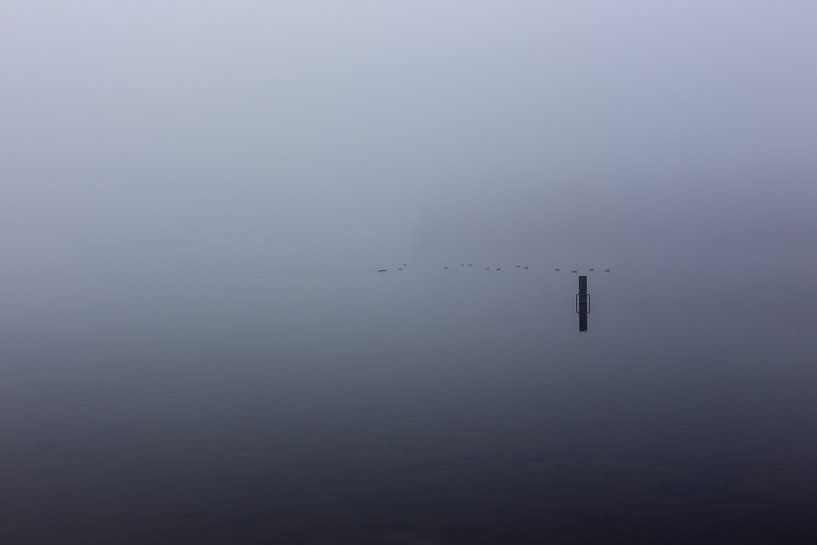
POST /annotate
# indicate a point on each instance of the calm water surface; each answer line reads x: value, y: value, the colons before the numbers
x: 425, y: 407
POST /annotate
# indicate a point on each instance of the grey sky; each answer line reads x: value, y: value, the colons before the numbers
x: 146, y: 135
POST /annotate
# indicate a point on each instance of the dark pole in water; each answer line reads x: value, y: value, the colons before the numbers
x: 583, y: 303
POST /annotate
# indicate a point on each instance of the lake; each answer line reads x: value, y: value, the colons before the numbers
x: 415, y: 407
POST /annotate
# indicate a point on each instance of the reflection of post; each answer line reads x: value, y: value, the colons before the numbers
x: 583, y: 303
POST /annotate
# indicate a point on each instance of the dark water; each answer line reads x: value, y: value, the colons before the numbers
x: 425, y: 407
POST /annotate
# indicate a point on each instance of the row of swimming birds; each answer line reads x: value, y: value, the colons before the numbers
x: 464, y: 265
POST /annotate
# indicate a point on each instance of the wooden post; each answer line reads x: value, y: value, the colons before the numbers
x: 583, y: 303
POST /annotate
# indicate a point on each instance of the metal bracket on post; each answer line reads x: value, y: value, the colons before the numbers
x: 587, y: 295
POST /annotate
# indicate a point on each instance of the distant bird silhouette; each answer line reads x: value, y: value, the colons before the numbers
x: 517, y: 266
x: 382, y: 270
x: 574, y: 271
x: 470, y: 265
x: 487, y: 268
x: 399, y: 268
x: 606, y: 270
x: 499, y: 268
x: 591, y: 269
x: 445, y: 267
x: 525, y: 267
x: 556, y: 269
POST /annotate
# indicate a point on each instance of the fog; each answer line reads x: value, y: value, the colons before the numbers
x: 196, y: 196
x: 145, y: 136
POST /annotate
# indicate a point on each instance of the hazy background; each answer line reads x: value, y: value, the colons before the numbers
x: 195, y: 345
x: 144, y: 137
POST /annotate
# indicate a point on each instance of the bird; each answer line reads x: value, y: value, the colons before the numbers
x: 399, y: 268
x: 470, y: 264
x: 525, y: 267
x: 574, y: 271
x: 606, y: 270
x: 556, y: 269
x: 592, y: 269
x: 487, y: 268
x: 517, y: 266
x: 499, y: 268
x: 445, y: 267
x: 382, y: 270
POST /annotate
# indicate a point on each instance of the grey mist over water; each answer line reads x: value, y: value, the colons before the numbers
x: 196, y: 345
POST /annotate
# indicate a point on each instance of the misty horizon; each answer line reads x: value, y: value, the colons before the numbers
x: 196, y: 343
